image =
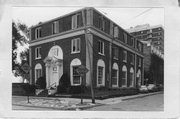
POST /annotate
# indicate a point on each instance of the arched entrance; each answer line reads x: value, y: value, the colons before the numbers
x: 138, y: 78
x: 54, y: 66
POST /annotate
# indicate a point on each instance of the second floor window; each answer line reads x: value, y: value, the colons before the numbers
x: 38, y: 53
x: 100, y: 47
x: 38, y: 32
x: 132, y: 58
x: 124, y: 56
x: 116, y: 32
x: 75, y: 45
x: 139, y: 62
x: 139, y: 47
x: 115, y: 53
x: 55, y: 27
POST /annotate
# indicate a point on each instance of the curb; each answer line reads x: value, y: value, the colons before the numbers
x: 141, y: 96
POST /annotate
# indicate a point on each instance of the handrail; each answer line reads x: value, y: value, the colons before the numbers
x: 52, y: 85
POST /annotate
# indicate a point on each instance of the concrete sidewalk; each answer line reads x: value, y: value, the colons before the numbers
x: 72, y: 103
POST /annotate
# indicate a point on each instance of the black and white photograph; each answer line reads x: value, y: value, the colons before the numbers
x: 90, y: 60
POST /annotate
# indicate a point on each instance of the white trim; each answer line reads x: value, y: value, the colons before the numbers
x: 132, y: 71
x: 115, y: 67
x: 115, y: 42
x: 37, y: 66
x: 60, y: 52
x: 124, y: 68
x: 101, y: 64
x: 39, y: 53
x: 75, y: 40
x: 56, y: 37
x: 100, y: 41
x: 74, y: 62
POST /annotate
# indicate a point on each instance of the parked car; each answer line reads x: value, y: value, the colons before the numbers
x: 152, y: 87
x: 143, y: 89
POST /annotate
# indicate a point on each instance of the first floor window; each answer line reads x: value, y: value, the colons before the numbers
x: 132, y: 58
x: 38, y: 53
x: 38, y: 71
x: 131, y: 77
x: 100, y: 75
x: 115, y: 53
x: 124, y: 76
x: 76, y: 76
x: 101, y: 47
x: 76, y: 45
x: 114, y: 77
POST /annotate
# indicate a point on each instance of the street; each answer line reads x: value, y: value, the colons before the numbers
x: 149, y: 103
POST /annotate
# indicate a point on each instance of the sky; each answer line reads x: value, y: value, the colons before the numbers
x: 125, y: 17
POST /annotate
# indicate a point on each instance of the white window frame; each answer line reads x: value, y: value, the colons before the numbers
x: 75, y: 21
x: 37, y: 67
x: 115, y: 50
x: 125, y: 52
x: 55, y: 27
x: 131, y: 72
x: 115, y: 67
x: 38, y: 33
x: 116, y: 32
x: 38, y: 53
x: 101, y: 47
x: 74, y: 62
x: 101, y: 63
x: 124, y: 69
x: 74, y: 42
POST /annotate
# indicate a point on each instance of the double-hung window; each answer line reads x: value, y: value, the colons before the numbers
x: 101, y: 47
x: 132, y: 58
x: 76, y: 76
x: 125, y: 37
x: 115, y: 53
x: 55, y: 27
x: 139, y: 62
x: 38, y: 53
x: 124, y: 56
x: 76, y: 43
x: 100, y: 75
x: 37, y: 32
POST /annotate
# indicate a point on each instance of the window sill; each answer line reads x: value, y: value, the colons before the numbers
x: 38, y: 58
x: 75, y: 84
x: 115, y: 58
x: 101, y: 54
x: 124, y: 61
x: 75, y: 52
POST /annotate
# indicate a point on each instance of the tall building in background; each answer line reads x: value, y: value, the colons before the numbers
x: 153, y: 40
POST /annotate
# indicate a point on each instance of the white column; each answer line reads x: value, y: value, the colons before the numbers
x: 47, y: 75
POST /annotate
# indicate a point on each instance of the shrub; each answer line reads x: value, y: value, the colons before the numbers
x: 64, y: 83
x: 41, y: 82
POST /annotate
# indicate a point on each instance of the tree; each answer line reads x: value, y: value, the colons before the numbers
x: 19, y: 37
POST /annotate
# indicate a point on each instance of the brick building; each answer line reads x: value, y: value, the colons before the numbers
x: 153, y: 39
x: 112, y: 55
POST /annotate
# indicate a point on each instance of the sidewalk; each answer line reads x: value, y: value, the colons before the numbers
x: 72, y: 103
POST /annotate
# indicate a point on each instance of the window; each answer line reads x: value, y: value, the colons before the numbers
x: 55, y: 27
x: 139, y: 47
x: 38, y: 32
x: 38, y: 53
x: 125, y: 37
x: 124, y: 76
x: 115, y: 53
x: 124, y: 56
x: 75, y: 78
x: 56, y: 51
x: 75, y: 45
x: 115, y: 72
x: 100, y: 73
x: 116, y: 32
x: 132, y: 58
x: 131, y: 77
x: 101, y: 47
x: 38, y: 71
x: 132, y: 42
x: 76, y: 21
x: 139, y: 62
